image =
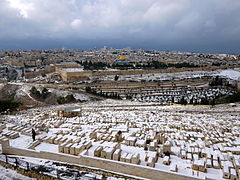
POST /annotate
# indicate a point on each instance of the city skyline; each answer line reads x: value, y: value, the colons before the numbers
x: 179, y: 25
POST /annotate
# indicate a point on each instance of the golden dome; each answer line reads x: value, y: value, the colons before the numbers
x: 122, y: 58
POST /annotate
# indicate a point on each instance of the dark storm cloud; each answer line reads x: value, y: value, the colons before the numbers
x: 200, y: 25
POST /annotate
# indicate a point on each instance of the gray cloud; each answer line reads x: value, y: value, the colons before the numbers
x: 199, y: 25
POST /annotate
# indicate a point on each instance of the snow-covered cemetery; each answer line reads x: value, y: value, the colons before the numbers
x: 138, y: 139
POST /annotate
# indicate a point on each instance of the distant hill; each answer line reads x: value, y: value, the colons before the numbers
x: 19, y: 92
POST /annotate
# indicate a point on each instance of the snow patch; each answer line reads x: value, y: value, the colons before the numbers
x: 231, y: 74
x: 8, y: 174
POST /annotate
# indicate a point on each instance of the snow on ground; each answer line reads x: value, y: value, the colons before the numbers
x: 22, y: 142
x: 78, y: 96
x: 111, y: 115
x: 73, y: 69
x: 231, y: 74
x: 51, y: 164
x: 81, y: 97
x: 160, y: 76
x: 23, y: 90
x: 1, y: 85
x: 47, y: 147
x: 8, y: 174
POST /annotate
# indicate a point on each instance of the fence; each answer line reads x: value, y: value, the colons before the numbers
x: 59, y: 173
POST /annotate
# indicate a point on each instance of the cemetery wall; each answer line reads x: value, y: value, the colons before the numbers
x: 114, y: 166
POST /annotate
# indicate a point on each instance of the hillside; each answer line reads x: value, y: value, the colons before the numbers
x: 20, y: 92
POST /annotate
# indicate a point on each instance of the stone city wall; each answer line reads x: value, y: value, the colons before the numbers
x: 62, y: 73
x: 73, y: 76
x: 84, y: 75
x: 47, y: 70
x: 78, y: 76
x: 50, y: 69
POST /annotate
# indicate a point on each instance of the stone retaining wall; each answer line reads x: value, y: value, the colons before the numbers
x: 114, y: 166
x: 31, y: 174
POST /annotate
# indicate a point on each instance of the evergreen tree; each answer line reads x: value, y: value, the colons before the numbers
x: 116, y: 77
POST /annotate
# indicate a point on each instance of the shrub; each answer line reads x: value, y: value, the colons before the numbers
x: 8, y: 105
x: 38, y: 94
x: 67, y: 99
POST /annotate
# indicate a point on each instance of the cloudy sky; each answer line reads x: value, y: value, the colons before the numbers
x: 184, y: 25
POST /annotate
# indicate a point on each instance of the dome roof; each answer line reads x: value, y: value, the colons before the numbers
x: 122, y: 58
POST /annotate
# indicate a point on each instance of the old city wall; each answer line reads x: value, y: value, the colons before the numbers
x: 47, y: 70
x: 78, y: 76
x: 84, y: 75
x: 124, y: 72
x: 62, y: 73
x: 68, y: 65
x: 50, y: 69
x: 115, y: 166
x: 134, y: 72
